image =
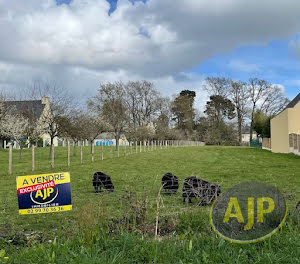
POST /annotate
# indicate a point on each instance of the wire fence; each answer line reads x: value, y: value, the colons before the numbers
x: 104, y: 152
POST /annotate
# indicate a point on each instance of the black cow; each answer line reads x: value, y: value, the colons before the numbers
x: 197, y: 188
x: 170, y: 183
x: 298, y: 206
x: 100, y: 179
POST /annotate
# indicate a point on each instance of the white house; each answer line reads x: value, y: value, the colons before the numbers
x: 36, y: 109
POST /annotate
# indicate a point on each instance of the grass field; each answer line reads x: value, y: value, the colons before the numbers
x: 119, y: 227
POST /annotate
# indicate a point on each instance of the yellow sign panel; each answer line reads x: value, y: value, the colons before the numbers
x: 44, y: 193
x: 58, y: 178
x: 46, y: 210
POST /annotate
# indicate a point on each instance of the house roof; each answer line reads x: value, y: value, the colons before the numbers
x: 291, y: 104
x: 34, y: 108
x: 295, y: 101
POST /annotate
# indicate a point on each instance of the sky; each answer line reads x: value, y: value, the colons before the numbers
x: 176, y: 44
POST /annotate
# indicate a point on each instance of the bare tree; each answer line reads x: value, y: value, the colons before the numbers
x: 274, y: 101
x: 258, y: 89
x: 110, y: 104
x: 239, y: 96
x: 94, y: 125
x: 58, y: 105
x: 217, y: 86
x: 143, y: 102
x: 83, y: 126
x: 266, y: 97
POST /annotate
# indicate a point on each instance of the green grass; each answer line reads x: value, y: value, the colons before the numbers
x: 88, y: 235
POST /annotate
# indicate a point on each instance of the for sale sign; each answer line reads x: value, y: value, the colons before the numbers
x: 44, y: 193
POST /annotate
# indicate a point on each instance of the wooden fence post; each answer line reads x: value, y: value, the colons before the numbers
x: 69, y: 153
x: 125, y: 150
x: 81, y: 152
x: 136, y: 150
x: 119, y: 150
x: 140, y: 146
x: 32, y: 157
x: 10, y: 159
x: 93, y: 151
x: 102, y: 155
x: 130, y: 147
x: 111, y: 147
x: 52, y: 156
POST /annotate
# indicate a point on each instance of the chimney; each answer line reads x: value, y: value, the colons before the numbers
x: 45, y: 100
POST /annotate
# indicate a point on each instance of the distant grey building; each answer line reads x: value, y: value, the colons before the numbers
x: 32, y: 109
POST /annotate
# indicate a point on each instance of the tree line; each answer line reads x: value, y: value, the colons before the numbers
x: 234, y: 104
x: 139, y: 111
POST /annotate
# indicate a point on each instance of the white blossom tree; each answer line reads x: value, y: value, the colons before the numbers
x: 14, y: 126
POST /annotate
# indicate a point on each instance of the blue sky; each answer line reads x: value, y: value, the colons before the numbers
x: 272, y: 62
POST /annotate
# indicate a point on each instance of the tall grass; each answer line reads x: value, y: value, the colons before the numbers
x: 119, y: 227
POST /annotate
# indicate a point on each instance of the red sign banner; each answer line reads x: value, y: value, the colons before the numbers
x: 36, y: 187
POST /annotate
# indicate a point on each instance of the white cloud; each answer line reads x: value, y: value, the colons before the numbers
x: 80, y: 45
x: 240, y: 66
x: 178, y: 34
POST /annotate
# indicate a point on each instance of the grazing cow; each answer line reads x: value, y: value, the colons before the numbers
x: 100, y: 179
x: 298, y: 206
x: 197, y: 188
x: 170, y: 183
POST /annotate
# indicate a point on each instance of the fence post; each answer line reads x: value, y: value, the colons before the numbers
x: 52, y: 156
x: 69, y: 153
x: 10, y: 159
x: 81, y: 152
x: 102, y: 155
x: 119, y: 150
x: 111, y: 147
x: 93, y: 151
x: 140, y: 146
x: 130, y: 147
x: 125, y: 150
x: 136, y: 150
x: 32, y: 157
